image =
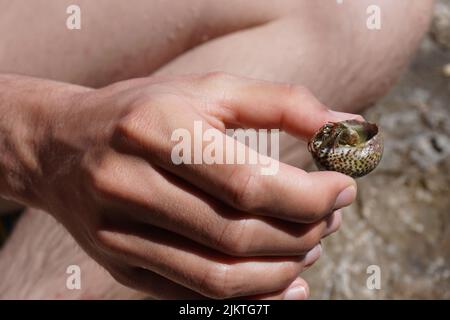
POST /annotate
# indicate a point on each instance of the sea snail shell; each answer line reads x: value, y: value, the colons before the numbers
x: 351, y: 147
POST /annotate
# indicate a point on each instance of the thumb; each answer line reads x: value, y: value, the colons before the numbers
x: 263, y: 104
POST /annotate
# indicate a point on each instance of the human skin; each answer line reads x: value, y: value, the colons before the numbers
x: 100, y: 162
x: 35, y: 260
x: 248, y: 60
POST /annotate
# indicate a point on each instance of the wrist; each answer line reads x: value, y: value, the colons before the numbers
x: 29, y: 109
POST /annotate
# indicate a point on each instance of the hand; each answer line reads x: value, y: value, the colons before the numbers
x: 102, y: 166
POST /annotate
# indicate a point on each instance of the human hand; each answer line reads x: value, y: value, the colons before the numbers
x: 103, y: 167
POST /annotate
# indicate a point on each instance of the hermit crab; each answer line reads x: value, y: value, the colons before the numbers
x: 351, y: 147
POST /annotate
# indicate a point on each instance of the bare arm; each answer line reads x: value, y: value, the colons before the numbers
x: 118, y: 39
x: 314, y: 43
x: 25, y: 108
x: 92, y: 57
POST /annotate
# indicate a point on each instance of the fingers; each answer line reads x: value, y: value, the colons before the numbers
x: 289, y: 193
x: 200, y: 270
x: 158, y: 287
x: 263, y: 104
x: 292, y: 194
x: 154, y: 197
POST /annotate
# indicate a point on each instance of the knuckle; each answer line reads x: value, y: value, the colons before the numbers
x: 291, y: 269
x: 244, y: 186
x: 295, y: 93
x: 124, y: 277
x: 105, y: 240
x: 234, y: 239
x: 148, y: 126
x: 140, y: 112
x: 111, y: 243
x: 311, y: 240
x: 219, y: 282
x: 101, y: 184
x: 128, y: 125
x: 224, y: 281
x: 125, y: 127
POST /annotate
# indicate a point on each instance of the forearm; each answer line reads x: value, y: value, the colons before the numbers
x: 27, y: 106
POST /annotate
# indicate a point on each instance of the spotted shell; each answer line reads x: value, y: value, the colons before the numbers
x: 351, y: 147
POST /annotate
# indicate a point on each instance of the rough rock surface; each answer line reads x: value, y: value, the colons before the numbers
x: 401, y: 219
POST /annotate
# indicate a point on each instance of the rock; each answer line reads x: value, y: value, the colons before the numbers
x: 440, y: 28
x: 400, y: 221
x: 446, y: 70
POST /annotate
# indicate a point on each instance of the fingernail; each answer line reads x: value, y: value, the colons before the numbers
x: 333, y: 221
x: 345, y: 198
x: 313, y: 255
x: 296, y: 293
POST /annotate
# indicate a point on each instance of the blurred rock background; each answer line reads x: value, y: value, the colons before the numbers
x: 401, y: 219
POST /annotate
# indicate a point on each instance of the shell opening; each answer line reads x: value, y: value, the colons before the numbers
x: 370, y: 129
